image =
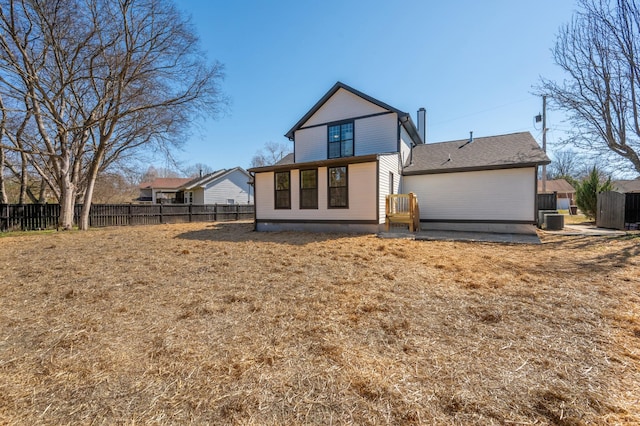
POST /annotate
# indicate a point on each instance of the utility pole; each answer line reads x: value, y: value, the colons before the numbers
x: 544, y: 141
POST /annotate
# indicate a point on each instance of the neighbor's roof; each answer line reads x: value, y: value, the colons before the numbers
x: 482, y: 153
x: 404, y: 117
x: 167, y: 183
x: 203, y: 180
x: 287, y: 159
x: 557, y: 185
x: 625, y: 186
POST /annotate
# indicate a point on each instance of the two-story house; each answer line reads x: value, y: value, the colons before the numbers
x: 351, y: 151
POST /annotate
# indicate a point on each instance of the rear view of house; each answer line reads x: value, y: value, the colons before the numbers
x: 352, y: 150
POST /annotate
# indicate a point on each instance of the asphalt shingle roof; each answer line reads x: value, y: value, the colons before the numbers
x: 557, y: 185
x: 166, y: 183
x: 625, y: 186
x: 482, y: 153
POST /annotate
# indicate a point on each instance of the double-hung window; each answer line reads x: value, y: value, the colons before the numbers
x: 309, y: 189
x: 338, y: 187
x: 341, y: 140
x: 283, y: 190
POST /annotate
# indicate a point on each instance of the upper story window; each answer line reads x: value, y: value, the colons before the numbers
x: 341, y: 140
x: 283, y: 190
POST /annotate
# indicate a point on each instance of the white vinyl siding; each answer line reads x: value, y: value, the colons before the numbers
x: 311, y: 144
x: 405, y: 146
x: 372, y: 135
x: 377, y: 134
x: 500, y: 195
x: 362, y: 196
x: 387, y: 164
x: 341, y: 106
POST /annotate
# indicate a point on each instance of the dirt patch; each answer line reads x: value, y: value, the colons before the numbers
x: 214, y: 323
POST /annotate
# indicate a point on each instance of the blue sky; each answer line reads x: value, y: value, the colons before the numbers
x: 472, y: 65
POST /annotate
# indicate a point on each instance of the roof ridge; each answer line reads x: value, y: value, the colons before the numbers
x: 475, y: 138
x: 334, y: 89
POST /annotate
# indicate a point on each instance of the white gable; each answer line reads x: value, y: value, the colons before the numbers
x: 341, y: 106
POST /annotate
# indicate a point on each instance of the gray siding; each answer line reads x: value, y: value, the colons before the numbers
x: 232, y: 186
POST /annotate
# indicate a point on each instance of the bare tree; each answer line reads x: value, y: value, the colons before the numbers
x: 94, y: 80
x: 198, y: 169
x: 566, y: 163
x: 270, y: 154
x: 600, y: 53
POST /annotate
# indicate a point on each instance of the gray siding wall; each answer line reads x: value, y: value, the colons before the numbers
x: 232, y: 186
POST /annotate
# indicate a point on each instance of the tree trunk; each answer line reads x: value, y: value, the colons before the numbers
x: 24, y: 179
x: 4, y: 199
x: 92, y: 175
x: 41, y: 195
x: 86, y: 206
x: 67, y: 204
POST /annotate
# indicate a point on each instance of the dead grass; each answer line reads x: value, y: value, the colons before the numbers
x: 213, y: 323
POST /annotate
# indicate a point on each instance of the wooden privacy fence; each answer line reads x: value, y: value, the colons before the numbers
x: 548, y: 201
x: 28, y: 217
x: 618, y: 211
x: 402, y: 208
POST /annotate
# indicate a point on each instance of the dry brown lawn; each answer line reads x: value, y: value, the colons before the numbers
x: 214, y: 323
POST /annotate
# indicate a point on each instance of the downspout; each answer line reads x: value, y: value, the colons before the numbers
x: 535, y: 196
x: 255, y: 201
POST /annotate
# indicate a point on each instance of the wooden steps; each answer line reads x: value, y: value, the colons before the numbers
x: 403, y: 209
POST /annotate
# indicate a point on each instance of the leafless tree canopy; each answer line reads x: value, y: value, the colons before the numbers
x: 600, y: 53
x: 85, y: 82
x: 270, y: 154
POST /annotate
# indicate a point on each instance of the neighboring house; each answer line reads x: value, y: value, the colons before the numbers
x: 232, y: 186
x: 565, y: 193
x: 161, y: 190
x: 226, y: 186
x: 626, y: 186
x: 351, y: 151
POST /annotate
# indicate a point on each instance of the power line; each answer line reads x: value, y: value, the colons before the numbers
x: 478, y: 112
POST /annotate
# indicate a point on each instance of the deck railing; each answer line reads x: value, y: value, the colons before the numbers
x: 404, y: 209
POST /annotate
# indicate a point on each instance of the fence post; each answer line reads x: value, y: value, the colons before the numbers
x: 215, y: 212
x: 4, y: 218
x: 190, y: 213
x: 161, y: 213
